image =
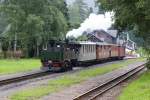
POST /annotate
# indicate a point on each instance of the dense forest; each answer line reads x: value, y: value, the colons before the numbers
x: 27, y: 25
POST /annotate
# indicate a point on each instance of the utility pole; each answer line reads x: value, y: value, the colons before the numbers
x: 0, y: 45
x: 15, y: 41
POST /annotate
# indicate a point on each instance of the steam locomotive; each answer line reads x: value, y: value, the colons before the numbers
x: 62, y: 56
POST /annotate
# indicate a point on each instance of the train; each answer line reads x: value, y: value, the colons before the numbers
x: 62, y: 56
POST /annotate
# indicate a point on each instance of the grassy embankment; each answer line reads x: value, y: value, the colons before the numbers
x: 137, y: 90
x: 21, y: 65
x: 67, y: 80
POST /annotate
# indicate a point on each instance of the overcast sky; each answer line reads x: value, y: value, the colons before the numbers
x: 90, y: 3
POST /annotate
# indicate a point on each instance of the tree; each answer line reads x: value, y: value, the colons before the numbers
x: 131, y: 15
x: 34, y: 22
x: 78, y: 12
x: 3, y: 23
x: 82, y: 38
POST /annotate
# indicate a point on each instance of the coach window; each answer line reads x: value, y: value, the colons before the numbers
x: 92, y: 48
x: 83, y: 48
x: 87, y: 48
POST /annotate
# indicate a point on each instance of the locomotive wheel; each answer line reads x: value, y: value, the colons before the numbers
x: 67, y: 65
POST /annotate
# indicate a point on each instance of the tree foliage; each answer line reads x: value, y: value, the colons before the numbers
x: 132, y: 15
x: 34, y: 22
x: 78, y: 12
x: 82, y: 37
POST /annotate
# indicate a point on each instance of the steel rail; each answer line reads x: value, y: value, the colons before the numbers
x: 23, y: 77
x: 99, y: 90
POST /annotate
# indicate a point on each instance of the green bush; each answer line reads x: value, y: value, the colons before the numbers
x: 11, y: 54
x: 148, y: 63
x: 1, y: 55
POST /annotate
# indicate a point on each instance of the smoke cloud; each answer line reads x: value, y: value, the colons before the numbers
x: 92, y: 23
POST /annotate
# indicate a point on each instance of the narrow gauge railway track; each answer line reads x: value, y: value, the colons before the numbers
x: 24, y: 77
x: 33, y: 75
x: 94, y: 93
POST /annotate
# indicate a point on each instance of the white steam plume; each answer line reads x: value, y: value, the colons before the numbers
x: 92, y: 23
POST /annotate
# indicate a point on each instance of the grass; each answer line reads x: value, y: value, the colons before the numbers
x: 138, y: 90
x: 21, y: 65
x: 66, y: 81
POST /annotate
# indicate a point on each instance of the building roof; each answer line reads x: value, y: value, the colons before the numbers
x: 113, y: 33
x: 102, y: 36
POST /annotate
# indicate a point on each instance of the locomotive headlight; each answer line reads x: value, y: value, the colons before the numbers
x: 58, y: 46
x: 49, y: 61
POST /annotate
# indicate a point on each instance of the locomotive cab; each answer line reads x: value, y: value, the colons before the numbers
x: 58, y: 56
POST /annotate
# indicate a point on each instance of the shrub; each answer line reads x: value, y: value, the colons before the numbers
x: 148, y: 63
x: 1, y: 55
x: 11, y: 54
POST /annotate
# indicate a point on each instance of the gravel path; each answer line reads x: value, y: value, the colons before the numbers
x: 8, y: 90
x: 76, y: 90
